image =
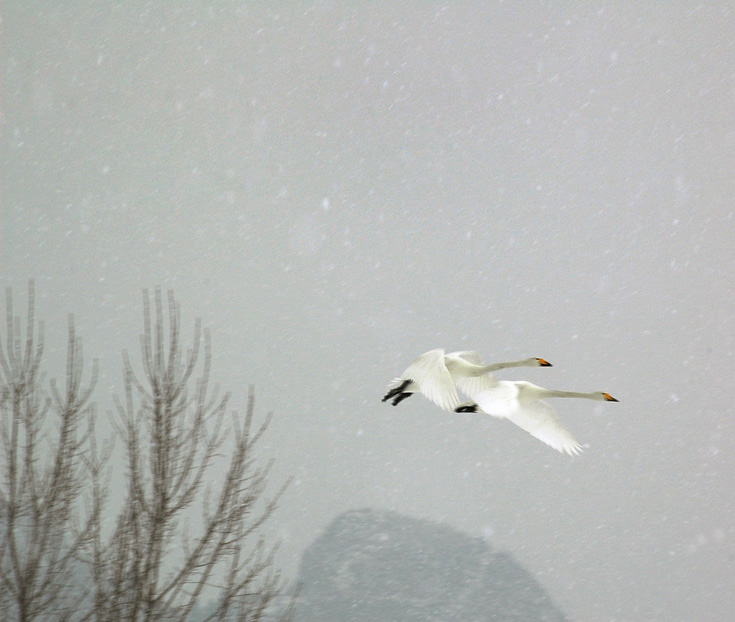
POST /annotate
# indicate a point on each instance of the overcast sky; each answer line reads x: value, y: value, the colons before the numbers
x: 335, y: 190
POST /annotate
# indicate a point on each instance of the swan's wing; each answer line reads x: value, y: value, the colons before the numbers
x: 472, y: 385
x: 534, y: 416
x: 469, y: 355
x: 434, y: 379
x: 539, y: 419
x: 499, y: 400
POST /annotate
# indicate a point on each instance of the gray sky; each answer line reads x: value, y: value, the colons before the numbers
x: 336, y: 190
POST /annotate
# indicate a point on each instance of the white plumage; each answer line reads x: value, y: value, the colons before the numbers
x: 438, y: 375
x: 523, y: 403
x: 435, y: 374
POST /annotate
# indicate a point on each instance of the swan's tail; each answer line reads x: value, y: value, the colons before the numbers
x: 396, y: 389
x: 396, y: 383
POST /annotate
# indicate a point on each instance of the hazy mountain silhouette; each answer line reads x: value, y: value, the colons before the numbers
x: 375, y: 565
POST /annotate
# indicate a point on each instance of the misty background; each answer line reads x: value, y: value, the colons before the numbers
x: 337, y: 189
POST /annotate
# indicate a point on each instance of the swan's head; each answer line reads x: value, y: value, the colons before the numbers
x: 607, y: 397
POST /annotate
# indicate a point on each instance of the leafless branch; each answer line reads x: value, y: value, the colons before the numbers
x: 43, y: 533
x: 174, y: 427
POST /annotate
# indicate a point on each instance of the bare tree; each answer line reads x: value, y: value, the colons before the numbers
x: 174, y: 430
x: 41, y: 531
x: 59, y: 560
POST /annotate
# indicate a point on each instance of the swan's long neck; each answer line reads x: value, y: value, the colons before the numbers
x: 554, y: 393
x: 460, y: 367
x: 486, y: 369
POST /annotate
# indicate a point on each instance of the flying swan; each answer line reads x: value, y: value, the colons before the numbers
x: 435, y: 373
x: 522, y: 403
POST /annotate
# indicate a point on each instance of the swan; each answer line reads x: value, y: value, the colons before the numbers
x: 434, y: 374
x: 522, y: 403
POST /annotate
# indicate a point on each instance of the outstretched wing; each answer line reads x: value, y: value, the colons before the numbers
x: 434, y: 379
x: 471, y: 356
x: 536, y: 417
x: 472, y: 385
x: 539, y: 419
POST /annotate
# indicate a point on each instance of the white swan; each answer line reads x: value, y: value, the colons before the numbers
x: 521, y: 403
x: 434, y: 374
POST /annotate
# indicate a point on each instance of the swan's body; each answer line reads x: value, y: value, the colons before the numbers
x: 435, y: 373
x: 522, y: 403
